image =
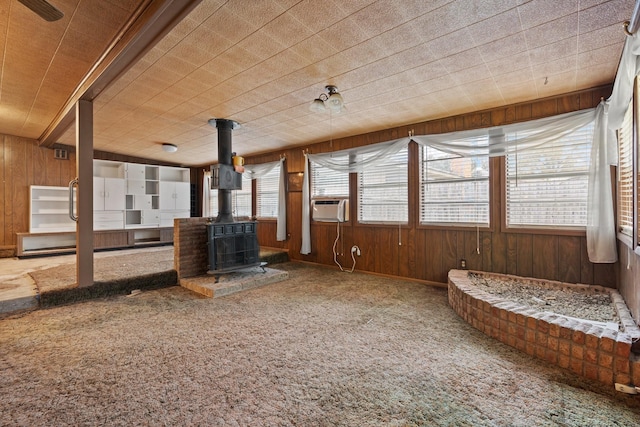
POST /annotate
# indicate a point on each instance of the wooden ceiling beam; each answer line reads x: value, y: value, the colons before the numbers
x: 147, y: 26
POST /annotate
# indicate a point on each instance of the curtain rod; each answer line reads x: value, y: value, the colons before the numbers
x: 631, y: 26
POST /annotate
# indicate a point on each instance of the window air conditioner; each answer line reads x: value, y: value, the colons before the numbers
x: 330, y: 210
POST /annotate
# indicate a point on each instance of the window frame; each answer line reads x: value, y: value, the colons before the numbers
x: 626, y: 237
x: 312, y: 184
x: 358, y: 193
x: 489, y: 226
x: 313, y: 196
x: 542, y: 230
x: 636, y: 164
x: 257, y: 198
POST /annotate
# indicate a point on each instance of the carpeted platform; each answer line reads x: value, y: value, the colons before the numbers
x: 145, y: 269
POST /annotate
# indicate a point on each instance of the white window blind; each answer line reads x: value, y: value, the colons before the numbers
x: 546, y: 186
x: 625, y: 174
x: 453, y: 189
x: 327, y: 182
x: 267, y: 197
x: 240, y: 201
x: 383, y: 193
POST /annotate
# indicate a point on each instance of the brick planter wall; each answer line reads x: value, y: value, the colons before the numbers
x: 190, y: 249
x: 578, y: 346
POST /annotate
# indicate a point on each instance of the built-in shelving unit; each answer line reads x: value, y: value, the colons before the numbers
x: 142, y: 203
x: 133, y: 204
x: 49, y: 207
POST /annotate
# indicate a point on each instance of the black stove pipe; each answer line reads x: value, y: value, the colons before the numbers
x: 225, y: 155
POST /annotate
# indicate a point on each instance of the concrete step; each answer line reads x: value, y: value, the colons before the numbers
x: 230, y: 283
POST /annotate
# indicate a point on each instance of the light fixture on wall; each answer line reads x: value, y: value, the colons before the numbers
x: 169, y: 148
x: 333, y: 101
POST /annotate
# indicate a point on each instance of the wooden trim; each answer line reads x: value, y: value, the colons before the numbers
x: 545, y: 231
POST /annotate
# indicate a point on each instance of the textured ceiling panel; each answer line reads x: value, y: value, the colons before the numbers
x: 261, y: 63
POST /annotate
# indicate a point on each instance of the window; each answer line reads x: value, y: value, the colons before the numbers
x: 383, y: 191
x: 625, y: 174
x: 327, y: 182
x: 267, y: 197
x: 240, y: 201
x: 454, y: 189
x: 546, y: 186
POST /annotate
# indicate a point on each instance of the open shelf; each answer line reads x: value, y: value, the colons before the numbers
x: 141, y: 237
x: 49, y: 208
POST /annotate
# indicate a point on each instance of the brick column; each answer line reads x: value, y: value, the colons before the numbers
x: 190, y: 249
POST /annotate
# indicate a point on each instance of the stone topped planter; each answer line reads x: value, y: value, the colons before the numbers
x: 581, y: 347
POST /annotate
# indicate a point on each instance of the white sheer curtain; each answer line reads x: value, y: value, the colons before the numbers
x: 350, y: 160
x: 206, y: 195
x: 258, y: 171
x: 281, y: 225
x: 601, y: 227
x: 531, y: 134
x: 305, y: 249
x: 338, y: 161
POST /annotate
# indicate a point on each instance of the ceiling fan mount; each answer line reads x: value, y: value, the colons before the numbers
x: 44, y: 9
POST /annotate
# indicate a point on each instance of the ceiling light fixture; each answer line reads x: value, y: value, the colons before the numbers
x: 169, y: 148
x: 333, y: 101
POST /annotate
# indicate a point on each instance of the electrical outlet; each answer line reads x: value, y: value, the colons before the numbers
x: 463, y: 264
x: 629, y: 389
x: 355, y: 249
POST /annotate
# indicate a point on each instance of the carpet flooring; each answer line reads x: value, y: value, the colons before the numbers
x: 323, y: 348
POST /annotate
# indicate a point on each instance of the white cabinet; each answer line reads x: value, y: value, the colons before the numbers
x: 108, y: 194
x: 150, y: 217
x: 49, y: 208
x: 108, y: 220
x: 167, y: 217
x: 134, y: 171
x: 136, y: 187
x: 143, y: 202
x: 175, y: 195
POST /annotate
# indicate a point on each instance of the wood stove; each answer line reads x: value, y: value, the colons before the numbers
x: 233, y: 245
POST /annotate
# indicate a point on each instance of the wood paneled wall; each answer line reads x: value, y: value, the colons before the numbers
x: 629, y: 277
x: 428, y: 253
x: 24, y: 163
